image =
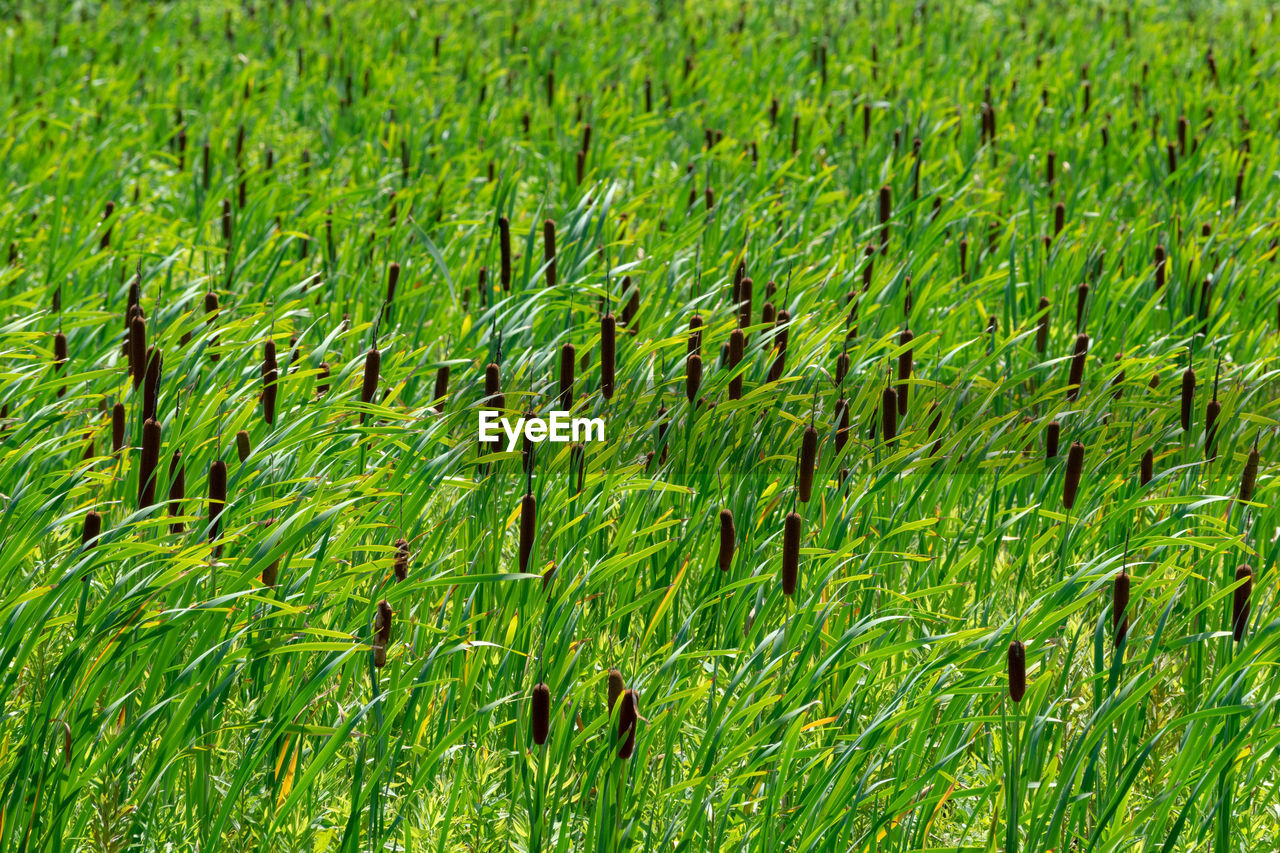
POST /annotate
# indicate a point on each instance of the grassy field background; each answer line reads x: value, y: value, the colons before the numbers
x: 249, y: 174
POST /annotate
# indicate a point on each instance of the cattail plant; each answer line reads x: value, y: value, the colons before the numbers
x: 400, y: 564
x: 177, y: 489
x: 695, y: 335
x: 243, y: 446
x: 692, y: 376
x: 1082, y: 298
x: 744, y: 303
x: 151, y: 383
x: 1075, y: 467
x: 727, y: 539
x: 1159, y: 260
x: 108, y: 211
x: 1249, y: 476
x: 540, y: 713
x: 1147, y: 469
x: 270, y: 374
x: 442, y: 387
x: 1078, y: 357
x: 1051, y: 435
x: 1188, y: 397
x: 382, y: 633
x: 1017, y: 671
x: 630, y: 317
x: 737, y: 342
x: 608, y: 354
x: 148, y: 463
x: 369, y: 385
x: 210, y: 313
x: 1120, y: 607
x: 549, y: 251
x: 791, y: 552
x: 217, y: 495
x: 808, y: 461
x: 504, y: 247
x: 117, y: 427
x: 628, y: 722
x: 90, y: 530
x: 1240, y: 602
x: 137, y: 350
x: 842, y: 423
x: 568, y: 358
x: 905, y: 359
x: 889, y: 415
x: 1211, y: 412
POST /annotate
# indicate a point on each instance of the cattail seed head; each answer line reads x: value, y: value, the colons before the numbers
x: 886, y: 210
x: 91, y: 529
x: 1249, y: 476
x: 540, y: 713
x: 695, y: 334
x: 782, y: 327
x: 737, y: 343
x: 1042, y: 327
x: 217, y: 495
x: 400, y: 565
x: 1082, y: 298
x: 608, y: 354
x: 442, y: 387
x: 808, y: 461
x: 889, y: 415
x: 1188, y: 397
x: 568, y: 358
x: 1159, y: 258
x: 1078, y: 357
x: 744, y: 303
x: 1147, y: 469
x: 243, y: 446
x: 60, y: 357
x: 504, y: 243
x: 151, y: 383
x: 1075, y: 467
x: 549, y: 251
x: 727, y: 539
x: 322, y: 379
x: 369, y: 386
x: 382, y: 633
x: 628, y: 722
x: 1240, y: 602
x: 791, y: 552
x: 1017, y: 671
x: 137, y: 350
x: 692, y: 376
x: 1051, y: 436
x: 148, y: 462
x: 1120, y: 607
x: 528, y: 527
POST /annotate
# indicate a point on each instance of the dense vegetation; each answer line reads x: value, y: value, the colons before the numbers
x: 936, y: 345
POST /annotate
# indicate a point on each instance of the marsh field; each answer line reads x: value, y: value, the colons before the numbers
x: 935, y: 346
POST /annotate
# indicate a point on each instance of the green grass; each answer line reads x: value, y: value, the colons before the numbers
x: 156, y: 695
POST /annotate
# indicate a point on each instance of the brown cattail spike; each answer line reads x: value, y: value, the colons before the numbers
x: 608, y: 354
x: 400, y: 565
x: 382, y: 633
x: 549, y: 251
x: 148, y: 463
x: 1148, y: 468
x: 1249, y: 476
x: 369, y: 385
x: 889, y: 415
x: 616, y: 688
x: 628, y: 722
x: 1017, y: 671
x: 782, y: 327
x: 1120, y: 607
x: 886, y: 211
x: 442, y: 387
x: 568, y: 358
x: 393, y: 278
x: 217, y: 495
x: 1042, y: 326
x: 91, y: 529
x: 808, y: 461
x: 117, y: 427
x: 692, y: 376
x: 137, y: 350
x: 1240, y: 602
x: 540, y: 713
x: 504, y: 244
x: 1211, y: 412
x: 1051, y: 437
x: 727, y: 539
x: 1075, y: 467
x: 791, y: 552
